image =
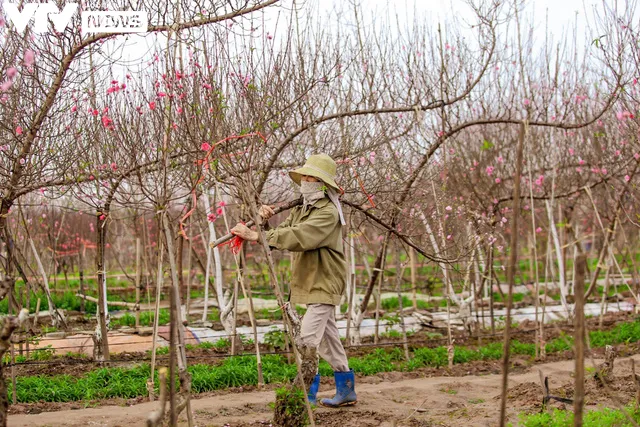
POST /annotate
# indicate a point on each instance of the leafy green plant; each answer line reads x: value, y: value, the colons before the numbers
x: 222, y: 344
x: 391, y: 334
x: 290, y: 407
x: 43, y: 353
x: 604, y: 417
x: 275, y: 339
x: 241, y: 370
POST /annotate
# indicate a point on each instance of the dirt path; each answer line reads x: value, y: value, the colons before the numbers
x: 385, y: 400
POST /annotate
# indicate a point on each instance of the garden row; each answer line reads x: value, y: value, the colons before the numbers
x: 241, y: 370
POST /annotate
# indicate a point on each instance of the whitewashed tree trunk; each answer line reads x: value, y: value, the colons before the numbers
x: 225, y: 301
x: 56, y: 316
x: 558, y: 250
x: 482, y: 265
x: 206, y: 282
x: 351, y: 292
x: 452, y: 294
x: 357, y: 317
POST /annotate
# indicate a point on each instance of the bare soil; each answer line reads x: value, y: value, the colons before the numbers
x: 391, y: 399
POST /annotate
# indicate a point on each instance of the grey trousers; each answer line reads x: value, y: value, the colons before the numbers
x: 319, y: 330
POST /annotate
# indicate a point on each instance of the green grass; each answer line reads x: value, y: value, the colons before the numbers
x: 605, y: 417
x: 392, y: 304
x: 239, y: 371
x: 146, y: 318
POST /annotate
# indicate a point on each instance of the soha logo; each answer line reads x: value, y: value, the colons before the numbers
x: 92, y: 21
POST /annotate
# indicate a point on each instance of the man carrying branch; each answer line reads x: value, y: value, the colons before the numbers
x: 313, y: 232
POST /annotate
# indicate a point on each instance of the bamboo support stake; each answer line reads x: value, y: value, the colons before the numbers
x: 207, y: 273
x: 56, y: 318
x: 37, y: 313
x: 412, y: 260
x: 81, y: 273
x: 579, y: 340
x: 178, y: 334
x: 234, y: 330
x: 12, y: 350
x: 376, y: 337
x: 605, y: 292
x: 156, y: 315
x: 138, y: 277
x: 559, y: 258
x: 189, y: 255
x: 351, y: 288
x: 246, y: 291
x: 607, y: 238
x: 489, y: 270
x: 400, y: 307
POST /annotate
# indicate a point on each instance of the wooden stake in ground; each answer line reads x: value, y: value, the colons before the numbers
x: 511, y: 274
x: 246, y: 291
x: 400, y: 305
x: 138, y: 272
x: 382, y: 261
x: 188, y: 303
x: 56, y: 317
x: 580, y: 337
x: 81, y: 273
x: 412, y: 259
x: 156, y: 315
x: 178, y: 337
x: 351, y: 291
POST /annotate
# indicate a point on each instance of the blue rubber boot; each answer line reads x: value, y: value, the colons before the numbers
x: 345, y: 391
x: 313, y: 390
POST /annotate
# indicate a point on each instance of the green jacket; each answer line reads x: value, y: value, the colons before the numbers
x: 314, y: 233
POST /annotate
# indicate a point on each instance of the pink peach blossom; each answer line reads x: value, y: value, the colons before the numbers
x: 29, y: 57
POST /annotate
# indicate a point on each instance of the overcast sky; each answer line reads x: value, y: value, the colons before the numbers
x: 561, y: 16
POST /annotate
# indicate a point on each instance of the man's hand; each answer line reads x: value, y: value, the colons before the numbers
x: 244, y: 232
x: 266, y: 212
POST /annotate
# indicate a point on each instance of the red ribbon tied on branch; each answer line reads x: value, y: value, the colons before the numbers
x: 235, y: 244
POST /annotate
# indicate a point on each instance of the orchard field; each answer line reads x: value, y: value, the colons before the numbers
x: 489, y: 157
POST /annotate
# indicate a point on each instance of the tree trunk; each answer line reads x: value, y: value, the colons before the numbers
x: 579, y: 339
x: 10, y: 323
x: 102, y: 339
x: 511, y: 272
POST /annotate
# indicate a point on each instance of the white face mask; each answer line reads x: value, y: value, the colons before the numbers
x: 311, y: 191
